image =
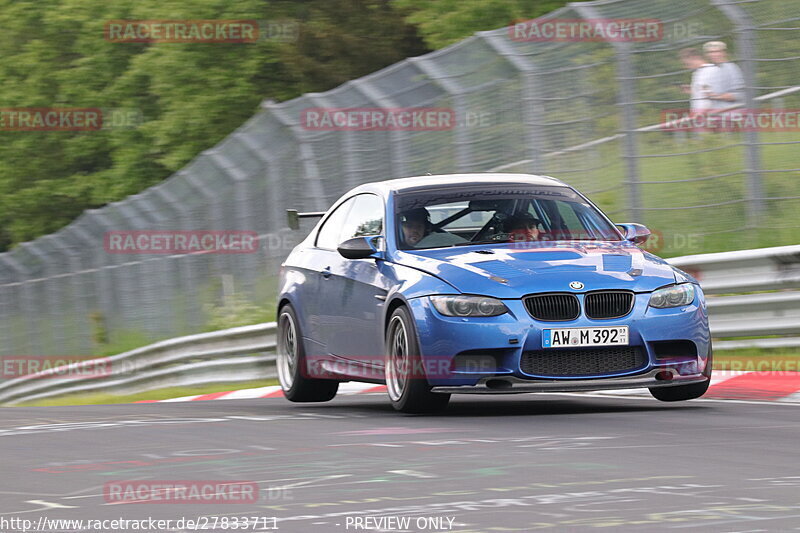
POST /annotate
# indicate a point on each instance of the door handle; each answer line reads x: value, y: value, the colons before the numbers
x: 326, y: 272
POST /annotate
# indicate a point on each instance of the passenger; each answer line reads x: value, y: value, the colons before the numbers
x: 523, y: 227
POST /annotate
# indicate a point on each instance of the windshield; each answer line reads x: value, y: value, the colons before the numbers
x: 435, y: 218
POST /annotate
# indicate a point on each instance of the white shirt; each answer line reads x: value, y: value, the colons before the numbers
x: 701, y: 87
x: 726, y: 78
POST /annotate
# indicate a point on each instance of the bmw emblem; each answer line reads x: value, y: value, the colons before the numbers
x: 577, y: 285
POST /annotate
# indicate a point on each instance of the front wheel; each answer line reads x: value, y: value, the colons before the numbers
x: 406, y: 383
x: 291, y: 363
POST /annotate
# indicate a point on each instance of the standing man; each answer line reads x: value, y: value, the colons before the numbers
x: 727, y: 82
x: 700, y: 86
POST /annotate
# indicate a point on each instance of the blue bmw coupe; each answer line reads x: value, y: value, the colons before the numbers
x: 483, y: 283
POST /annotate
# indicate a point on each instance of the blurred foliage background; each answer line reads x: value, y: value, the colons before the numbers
x: 189, y: 96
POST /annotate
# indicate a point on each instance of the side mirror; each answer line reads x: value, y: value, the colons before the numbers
x: 636, y: 233
x: 361, y: 247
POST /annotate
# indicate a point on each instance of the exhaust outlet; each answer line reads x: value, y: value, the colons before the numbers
x: 498, y: 384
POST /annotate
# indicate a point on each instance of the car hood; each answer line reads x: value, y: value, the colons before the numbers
x: 513, y: 270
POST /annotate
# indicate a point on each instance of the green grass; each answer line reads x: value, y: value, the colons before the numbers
x: 703, y: 230
x: 159, y: 394
x: 123, y: 341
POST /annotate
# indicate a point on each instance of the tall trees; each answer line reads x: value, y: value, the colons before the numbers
x: 184, y: 97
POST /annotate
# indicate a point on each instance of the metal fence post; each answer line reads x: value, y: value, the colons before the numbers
x: 102, y: 277
x: 272, y: 199
x: 532, y: 111
x: 626, y: 99
x: 631, y: 149
x: 400, y: 151
x: 51, y: 329
x: 81, y: 339
x: 184, y: 274
x: 19, y: 276
x: 745, y: 44
x: 455, y: 92
x: 347, y: 142
x: 307, y: 158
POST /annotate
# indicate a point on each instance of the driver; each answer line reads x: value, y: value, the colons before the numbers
x: 418, y: 230
x: 523, y: 227
x: 416, y: 224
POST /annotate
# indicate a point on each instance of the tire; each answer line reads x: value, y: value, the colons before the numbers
x: 291, y: 360
x: 681, y: 393
x: 408, y: 394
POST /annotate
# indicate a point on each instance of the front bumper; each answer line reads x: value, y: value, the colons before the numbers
x: 515, y: 385
x: 442, y: 339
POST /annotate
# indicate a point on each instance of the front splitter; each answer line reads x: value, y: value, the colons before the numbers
x: 514, y: 385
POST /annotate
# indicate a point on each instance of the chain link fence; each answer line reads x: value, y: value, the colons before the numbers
x: 582, y: 111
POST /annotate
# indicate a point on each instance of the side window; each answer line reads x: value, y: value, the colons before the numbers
x: 568, y: 215
x: 365, y: 219
x: 331, y: 230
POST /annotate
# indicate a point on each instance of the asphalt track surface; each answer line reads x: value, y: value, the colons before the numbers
x: 554, y: 462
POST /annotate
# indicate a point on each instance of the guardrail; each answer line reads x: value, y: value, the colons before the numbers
x: 246, y: 353
x: 728, y: 277
x: 237, y: 354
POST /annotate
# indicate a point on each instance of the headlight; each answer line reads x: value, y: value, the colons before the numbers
x: 674, y: 296
x: 468, y: 305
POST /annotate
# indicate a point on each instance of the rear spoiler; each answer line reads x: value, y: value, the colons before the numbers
x: 293, y: 217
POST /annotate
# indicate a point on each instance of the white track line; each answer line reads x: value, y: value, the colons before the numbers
x: 182, y: 398
x: 247, y: 394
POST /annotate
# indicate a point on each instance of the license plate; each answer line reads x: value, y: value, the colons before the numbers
x: 604, y: 336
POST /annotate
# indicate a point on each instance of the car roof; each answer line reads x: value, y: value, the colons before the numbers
x: 425, y: 182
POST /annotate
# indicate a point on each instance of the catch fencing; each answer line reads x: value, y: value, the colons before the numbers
x: 579, y: 111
